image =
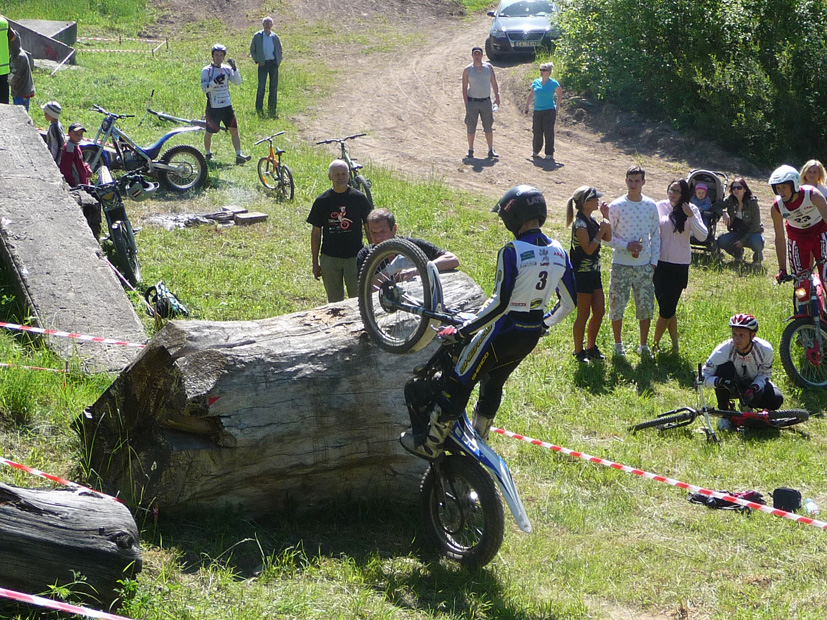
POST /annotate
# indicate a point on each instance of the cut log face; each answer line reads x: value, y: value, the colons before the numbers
x: 53, y: 537
x: 290, y: 412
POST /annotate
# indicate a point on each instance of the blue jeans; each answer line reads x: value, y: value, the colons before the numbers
x: 24, y: 101
x: 754, y: 242
x: 271, y: 69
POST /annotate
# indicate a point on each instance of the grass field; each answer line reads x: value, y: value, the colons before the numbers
x: 605, y: 544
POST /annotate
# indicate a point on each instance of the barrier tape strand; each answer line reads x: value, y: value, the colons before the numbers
x: 31, y: 599
x: 777, y: 512
x: 53, y: 478
x: 63, y: 334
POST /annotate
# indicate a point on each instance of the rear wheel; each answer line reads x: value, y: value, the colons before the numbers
x: 665, y: 421
x: 394, y: 274
x: 801, y: 356
x: 787, y: 417
x: 192, y: 168
x: 461, y: 511
x: 286, y: 187
x: 267, y: 173
x: 124, y: 242
x: 363, y: 185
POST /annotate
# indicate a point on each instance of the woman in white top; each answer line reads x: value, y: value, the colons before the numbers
x: 678, y: 219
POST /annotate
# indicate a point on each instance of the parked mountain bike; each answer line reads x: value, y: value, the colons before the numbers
x: 804, y: 339
x: 400, y: 300
x: 180, y: 168
x: 273, y: 174
x: 357, y: 179
x: 743, y: 418
x: 110, y: 193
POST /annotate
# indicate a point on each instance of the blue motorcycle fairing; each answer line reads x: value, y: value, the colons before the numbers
x: 468, y: 440
x: 153, y: 150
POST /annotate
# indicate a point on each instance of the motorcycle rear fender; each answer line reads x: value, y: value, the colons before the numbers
x: 464, y: 435
x: 155, y: 149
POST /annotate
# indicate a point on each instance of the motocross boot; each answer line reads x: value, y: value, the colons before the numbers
x: 482, y: 424
x: 430, y: 445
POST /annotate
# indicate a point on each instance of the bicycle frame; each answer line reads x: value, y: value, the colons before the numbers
x: 353, y: 166
x: 275, y: 154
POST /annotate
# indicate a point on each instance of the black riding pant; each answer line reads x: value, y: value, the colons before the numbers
x: 769, y: 398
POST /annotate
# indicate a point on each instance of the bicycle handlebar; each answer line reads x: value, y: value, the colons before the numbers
x: 268, y: 139
x: 342, y: 140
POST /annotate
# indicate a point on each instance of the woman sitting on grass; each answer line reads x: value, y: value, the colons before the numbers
x: 743, y: 221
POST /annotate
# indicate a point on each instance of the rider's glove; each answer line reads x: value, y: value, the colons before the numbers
x: 749, y: 395
x: 231, y: 62
x: 449, y: 334
x: 726, y: 384
x: 782, y: 273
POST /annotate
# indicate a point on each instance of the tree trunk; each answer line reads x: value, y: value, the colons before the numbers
x: 50, y: 537
x: 289, y: 412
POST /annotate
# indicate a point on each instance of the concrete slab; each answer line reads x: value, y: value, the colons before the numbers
x: 48, y: 248
x: 45, y: 39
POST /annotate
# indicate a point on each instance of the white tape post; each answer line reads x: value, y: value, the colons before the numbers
x: 670, y: 481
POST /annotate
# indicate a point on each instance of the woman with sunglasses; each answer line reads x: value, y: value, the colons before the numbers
x: 742, y: 218
x: 545, y: 93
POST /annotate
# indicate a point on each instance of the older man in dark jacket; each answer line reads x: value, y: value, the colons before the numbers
x: 265, y: 49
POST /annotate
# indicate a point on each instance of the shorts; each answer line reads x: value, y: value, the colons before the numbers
x: 216, y: 116
x: 638, y: 278
x: 588, y: 281
x: 479, y: 109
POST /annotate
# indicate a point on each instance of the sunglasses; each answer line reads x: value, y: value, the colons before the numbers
x: 734, y: 187
x: 541, y: 70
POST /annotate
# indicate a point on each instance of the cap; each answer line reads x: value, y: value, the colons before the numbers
x: 476, y: 48
x: 701, y: 186
x: 76, y: 127
x: 52, y: 108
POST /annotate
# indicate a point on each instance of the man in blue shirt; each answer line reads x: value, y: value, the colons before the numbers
x: 265, y: 49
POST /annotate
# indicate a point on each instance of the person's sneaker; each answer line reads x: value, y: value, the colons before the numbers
x: 549, y: 157
x: 582, y: 357
x: 620, y: 350
x: 644, y: 352
x: 724, y: 424
x: 594, y: 353
x: 470, y: 154
x: 492, y: 153
x: 208, y: 156
x: 535, y: 155
x: 242, y: 159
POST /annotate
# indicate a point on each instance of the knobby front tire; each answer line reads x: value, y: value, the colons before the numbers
x: 676, y: 418
x: 804, y: 364
x: 267, y: 173
x: 397, y: 331
x: 193, y: 166
x: 787, y: 417
x: 461, y: 511
x: 127, y: 251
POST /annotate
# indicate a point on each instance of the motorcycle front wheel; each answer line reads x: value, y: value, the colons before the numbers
x: 192, y: 170
x: 124, y: 241
x: 803, y: 359
x: 461, y: 511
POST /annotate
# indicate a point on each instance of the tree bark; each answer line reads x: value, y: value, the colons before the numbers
x: 284, y: 413
x: 50, y: 537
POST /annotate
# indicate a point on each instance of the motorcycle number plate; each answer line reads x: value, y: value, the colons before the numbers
x: 106, y: 124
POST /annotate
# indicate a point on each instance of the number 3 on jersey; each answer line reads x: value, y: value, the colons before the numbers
x: 542, y: 281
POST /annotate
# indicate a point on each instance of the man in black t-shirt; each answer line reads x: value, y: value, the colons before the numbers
x: 382, y: 226
x: 338, y: 217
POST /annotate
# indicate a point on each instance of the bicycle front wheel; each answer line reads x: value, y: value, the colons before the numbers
x: 286, y: 187
x: 801, y: 356
x: 665, y: 421
x: 267, y: 173
x: 127, y: 251
x: 393, y: 285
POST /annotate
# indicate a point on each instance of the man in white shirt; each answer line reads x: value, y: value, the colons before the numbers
x: 215, y: 82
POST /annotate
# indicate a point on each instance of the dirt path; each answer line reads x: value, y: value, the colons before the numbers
x: 410, y: 105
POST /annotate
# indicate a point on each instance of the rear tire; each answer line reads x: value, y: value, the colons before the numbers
x: 363, y: 185
x: 286, y: 188
x: 676, y: 418
x: 194, y: 169
x: 124, y: 242
x: 466, y: 522
x: 393, y: 329
x: 787, y: 417
x: 798, y: 354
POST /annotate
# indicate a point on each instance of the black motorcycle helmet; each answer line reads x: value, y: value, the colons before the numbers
x: 519, y: 205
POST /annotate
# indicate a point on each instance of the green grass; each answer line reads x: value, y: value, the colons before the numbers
x: 603, y: 540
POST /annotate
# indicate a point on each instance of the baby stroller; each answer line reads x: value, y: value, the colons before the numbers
x: 716, y: 183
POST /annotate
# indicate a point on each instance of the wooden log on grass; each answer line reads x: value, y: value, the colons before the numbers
x: 290, y: 412
x: 64, y: 537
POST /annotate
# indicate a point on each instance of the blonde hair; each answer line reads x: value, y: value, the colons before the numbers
x: 576, y: 201
x: 822, y: 174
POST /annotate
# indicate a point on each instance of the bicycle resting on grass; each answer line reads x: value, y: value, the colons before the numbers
x: 356, y: 179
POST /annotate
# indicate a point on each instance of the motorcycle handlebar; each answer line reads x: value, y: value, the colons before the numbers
x: 97, y: 108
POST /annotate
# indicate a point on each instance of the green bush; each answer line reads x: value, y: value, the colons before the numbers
x: 747, y: 74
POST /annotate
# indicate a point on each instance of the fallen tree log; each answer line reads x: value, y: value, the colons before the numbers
x: 284, y: 413
x: 51, y: 537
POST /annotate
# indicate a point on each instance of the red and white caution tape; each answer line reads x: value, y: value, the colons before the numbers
x: 50, y: 604
x: 120, y: 39
x: 671, y: 481
x: 62, y: 334
x: 5, y: 365
x: 92, y: 49
x: 53, y: 478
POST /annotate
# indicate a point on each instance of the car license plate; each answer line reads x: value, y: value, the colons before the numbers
x: 525, y: 43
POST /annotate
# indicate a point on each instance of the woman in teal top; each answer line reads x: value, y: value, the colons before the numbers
x: 545, y: 93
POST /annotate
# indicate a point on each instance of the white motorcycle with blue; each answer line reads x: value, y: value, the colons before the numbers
x: 401, y: 304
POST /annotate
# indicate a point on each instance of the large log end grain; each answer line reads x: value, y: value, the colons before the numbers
x: 294, y: 411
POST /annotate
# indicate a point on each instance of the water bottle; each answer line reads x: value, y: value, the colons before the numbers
x: 494, y: 107
x: 810, y: 507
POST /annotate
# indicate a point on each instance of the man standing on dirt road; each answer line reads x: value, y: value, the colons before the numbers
x: 265, y: 49
x: 338, y: 218
x: 477, y: 83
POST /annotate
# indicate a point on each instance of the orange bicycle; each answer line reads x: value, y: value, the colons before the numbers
x: 273, y: 174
